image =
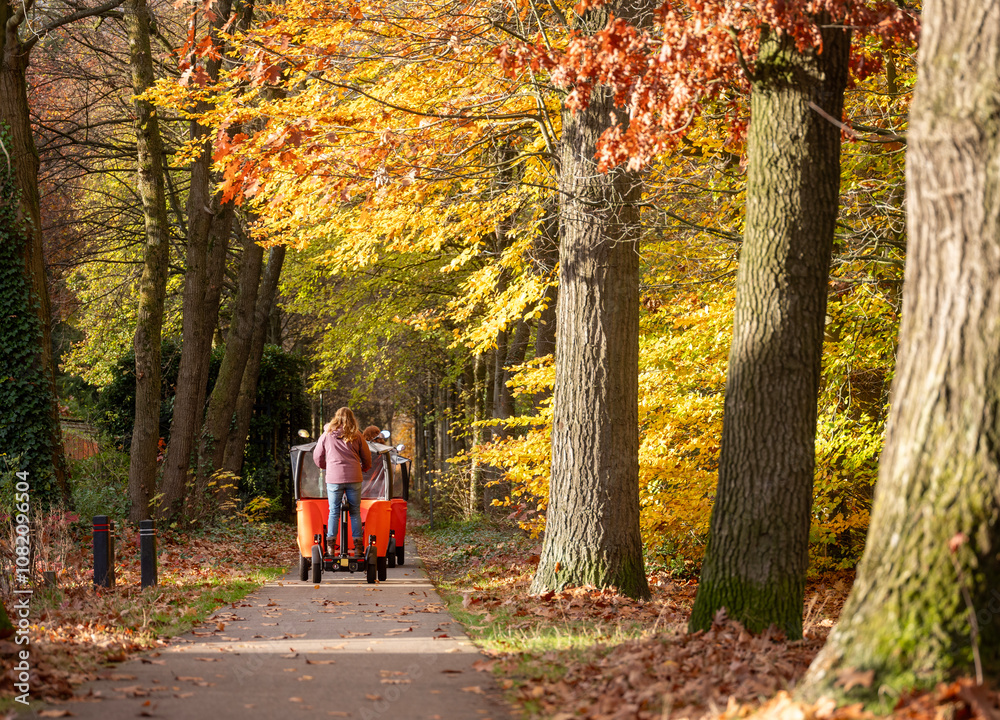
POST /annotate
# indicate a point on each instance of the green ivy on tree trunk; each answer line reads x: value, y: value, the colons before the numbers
x: 25, y: 422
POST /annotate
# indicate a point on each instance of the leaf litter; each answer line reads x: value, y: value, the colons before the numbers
x: 643, y: 664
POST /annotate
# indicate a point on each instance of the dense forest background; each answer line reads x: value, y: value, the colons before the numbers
x: 419, y: 271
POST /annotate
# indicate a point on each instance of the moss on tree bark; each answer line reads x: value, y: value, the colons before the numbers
x: 153, y: 282
x: 906, y: 618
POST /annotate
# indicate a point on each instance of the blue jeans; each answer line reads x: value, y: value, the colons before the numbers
x: 335, y: 493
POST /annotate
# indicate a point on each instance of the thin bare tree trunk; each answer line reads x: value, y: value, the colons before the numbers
x: 478, y: 415
x: 208, y: 229
x: 266, y: 297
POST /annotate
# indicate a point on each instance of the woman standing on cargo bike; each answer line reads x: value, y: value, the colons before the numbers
x: 344, y: 455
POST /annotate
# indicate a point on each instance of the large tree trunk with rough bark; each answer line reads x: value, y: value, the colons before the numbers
x: 153, y: 283
x: 906, y: 618
x: 592, y: 526
x: 23, y: 158
x: 758, y: 548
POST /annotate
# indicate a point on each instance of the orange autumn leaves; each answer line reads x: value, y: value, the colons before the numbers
x: 699, y: 55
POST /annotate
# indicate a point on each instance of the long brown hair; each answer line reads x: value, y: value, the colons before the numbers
x: 344, y: 421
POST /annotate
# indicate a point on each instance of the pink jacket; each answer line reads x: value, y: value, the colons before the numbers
x: 343, y: 461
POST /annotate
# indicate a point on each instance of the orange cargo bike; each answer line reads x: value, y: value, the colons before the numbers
x: 384, y: 493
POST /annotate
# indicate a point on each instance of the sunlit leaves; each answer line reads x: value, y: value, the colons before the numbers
x: 699, y: 53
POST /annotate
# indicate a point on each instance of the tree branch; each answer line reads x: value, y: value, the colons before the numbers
x: 67, y: 19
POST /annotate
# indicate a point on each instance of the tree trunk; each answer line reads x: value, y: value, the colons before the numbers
x: 202, y: 296
x: 23, y: 158
x: 419, y: 447
x: 208, y: 230
x: 494, y: 405
x: 236, y: 444
x: 545, y: 333
x: 152, y: 285
x: 517, y: 346
x: 592, y: 526
x: 514, y: 347
x: 274, y: 326
x: 758, y: 548
x: 441, y: 428
x: 225, y: 393
x: 469, y: 390
x: 906, y: 618
x: 499, y: 377
x: 545, y: 339
x: 478, y: 390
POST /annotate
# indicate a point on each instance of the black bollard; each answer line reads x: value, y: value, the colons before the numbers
x: 104, y: 551
x: 147, y: 552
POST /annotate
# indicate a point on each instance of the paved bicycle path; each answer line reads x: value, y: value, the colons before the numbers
x: 292, y: 649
